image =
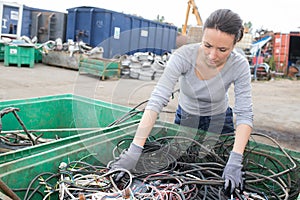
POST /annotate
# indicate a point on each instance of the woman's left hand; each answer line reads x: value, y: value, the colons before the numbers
x: 232, y: 173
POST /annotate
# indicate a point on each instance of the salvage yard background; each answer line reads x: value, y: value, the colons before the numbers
x: 276, y: 102
x: 109, y: 34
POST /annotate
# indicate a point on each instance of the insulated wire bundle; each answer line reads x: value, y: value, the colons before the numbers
x: 176, y: 168
x: 77, y: 180
x: 266, y: 177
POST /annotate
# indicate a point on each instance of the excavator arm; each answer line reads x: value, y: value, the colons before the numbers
x: 191, y: 4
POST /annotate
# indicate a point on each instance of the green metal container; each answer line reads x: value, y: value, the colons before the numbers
x: 19, y: 54
x: 2, y: 49
x: 96, y: 148
x: 60, y: 116
x: 100, y: 67
x: 38, y: 56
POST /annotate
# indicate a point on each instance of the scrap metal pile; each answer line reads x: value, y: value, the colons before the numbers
x: 176, y: 168
x: 139, y: 65
x: 144, y: 65
x: 55, y: 45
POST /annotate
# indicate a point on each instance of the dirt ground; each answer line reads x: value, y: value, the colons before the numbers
x: 276, y: 102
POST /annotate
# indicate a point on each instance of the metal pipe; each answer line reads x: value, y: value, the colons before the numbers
x: 8, y: 191
x: 23, y: 126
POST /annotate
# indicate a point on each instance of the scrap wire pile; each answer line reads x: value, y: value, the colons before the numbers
x: 194, y: 171
x: 76, y: 180
x: 176, y: 168
x: 13, y: 140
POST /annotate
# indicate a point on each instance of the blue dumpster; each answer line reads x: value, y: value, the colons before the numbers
x: 119, y: 33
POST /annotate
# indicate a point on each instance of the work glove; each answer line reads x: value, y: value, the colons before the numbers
x: 232, y: 173
x: 127, y: 160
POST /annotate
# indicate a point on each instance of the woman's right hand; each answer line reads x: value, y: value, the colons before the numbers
x: 127, y: 160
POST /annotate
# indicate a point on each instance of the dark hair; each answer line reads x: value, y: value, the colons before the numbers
x: 226, y: 21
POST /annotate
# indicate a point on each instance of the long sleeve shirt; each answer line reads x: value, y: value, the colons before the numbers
x: 205, y: 97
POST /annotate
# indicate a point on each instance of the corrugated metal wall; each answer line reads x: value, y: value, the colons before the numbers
x: 286, y: 50
x: 281, y: 51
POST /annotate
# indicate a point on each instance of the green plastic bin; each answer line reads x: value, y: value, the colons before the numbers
x: 61, y: 116
x: 2, y: 50
x: 38, y: 56
x: 19, y: 54
x: 62, y: 111
x: 75, y: 136
x: 97, y: 150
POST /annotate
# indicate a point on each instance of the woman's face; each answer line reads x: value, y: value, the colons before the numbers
x: 217, y: 46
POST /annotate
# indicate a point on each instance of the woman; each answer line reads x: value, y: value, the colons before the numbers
x: 205, y: 72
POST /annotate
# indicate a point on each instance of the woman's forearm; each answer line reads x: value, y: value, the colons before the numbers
x: 242, y: 135
x: 146, y: 124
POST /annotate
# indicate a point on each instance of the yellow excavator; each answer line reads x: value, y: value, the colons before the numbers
x: 191, y: 4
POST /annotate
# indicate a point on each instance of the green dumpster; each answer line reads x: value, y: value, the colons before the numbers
x: 19, y: 54
x: 52, y: 118
x: 98, y: 147
x: 38, y: 56
x: 2, y: 49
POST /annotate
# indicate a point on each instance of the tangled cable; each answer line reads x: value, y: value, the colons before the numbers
x: 15, y: 140
x: 186, y: 163
x: 176, y: 168
x: 76, y: 180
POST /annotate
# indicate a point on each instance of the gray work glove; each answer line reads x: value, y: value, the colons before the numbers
x: 233, y: 172
x: 127, y: 160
